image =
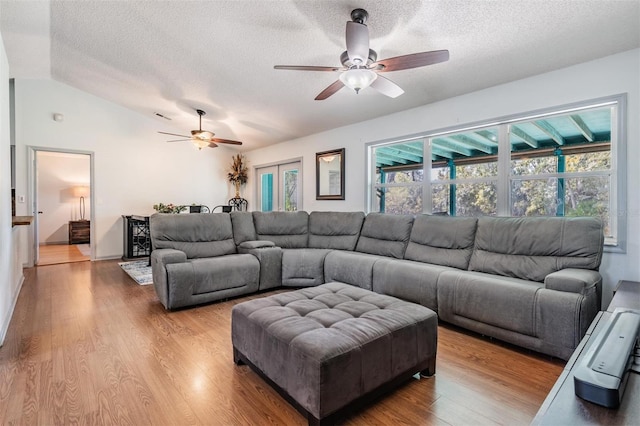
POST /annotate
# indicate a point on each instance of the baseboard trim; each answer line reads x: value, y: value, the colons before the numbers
x: 6, y: 321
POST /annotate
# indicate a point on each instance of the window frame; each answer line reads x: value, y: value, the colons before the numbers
x: 617, y: 171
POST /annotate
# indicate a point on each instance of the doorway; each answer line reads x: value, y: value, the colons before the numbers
x: 279, y: 187
x: 61, y: 198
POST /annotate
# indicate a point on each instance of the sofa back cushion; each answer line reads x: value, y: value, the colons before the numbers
x: 385, y: 234
x: 335, y: 230
x: 533, y: 247
x: 285, y: 229
x: 442, y: 240
x: 197, y: 235
x: 243, y: 229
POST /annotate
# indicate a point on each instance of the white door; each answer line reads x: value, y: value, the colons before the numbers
x: 280, y: 187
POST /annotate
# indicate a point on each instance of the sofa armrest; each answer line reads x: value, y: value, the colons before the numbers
x: 247, y: 245
x: 574, y: 280
x: 166, y: 256
x: 270, y: 258
x: 159, y: 260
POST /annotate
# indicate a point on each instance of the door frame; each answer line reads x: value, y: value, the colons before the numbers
x: 277, y: 164
x: 32, y: 167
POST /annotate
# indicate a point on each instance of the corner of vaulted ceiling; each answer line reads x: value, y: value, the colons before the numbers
x: 26, y: 32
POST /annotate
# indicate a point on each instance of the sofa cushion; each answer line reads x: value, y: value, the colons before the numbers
x: 442, y: 240
x: 350, y: 268
x: 503, y: 302
x: 243, y: 229
x: 335, y: 230
x: 533, y: 247
x: 385, y: 234
x: 303, y: 267
x: 411, y: 281
x: 285, y: 229
x: 197, y: 235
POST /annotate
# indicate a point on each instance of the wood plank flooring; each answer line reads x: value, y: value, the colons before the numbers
x: 60, y: 253
x: 87, y: 345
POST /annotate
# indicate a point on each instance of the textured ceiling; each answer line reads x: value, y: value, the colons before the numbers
x: 172, y: 57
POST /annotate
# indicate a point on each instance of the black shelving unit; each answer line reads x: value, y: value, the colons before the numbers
x: 137, y: 241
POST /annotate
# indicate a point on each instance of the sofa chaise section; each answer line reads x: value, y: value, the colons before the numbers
x: 195, y: 260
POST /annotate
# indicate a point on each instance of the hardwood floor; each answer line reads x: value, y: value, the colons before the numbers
x: 60, y: 253
x: 87, y: 345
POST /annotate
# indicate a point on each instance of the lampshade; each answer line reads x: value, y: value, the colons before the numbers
x: 358, y: 78
x: 81, y: 191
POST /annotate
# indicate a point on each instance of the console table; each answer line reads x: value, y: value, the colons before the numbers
x: 563, y: 407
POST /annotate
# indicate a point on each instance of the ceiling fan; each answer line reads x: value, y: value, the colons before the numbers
x: 360, y: 65
x: 202, y: 138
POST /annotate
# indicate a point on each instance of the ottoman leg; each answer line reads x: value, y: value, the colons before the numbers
x: 431, y: 368
x: 237, y: 357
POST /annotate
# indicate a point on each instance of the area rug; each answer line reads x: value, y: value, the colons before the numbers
x: 139, y: 270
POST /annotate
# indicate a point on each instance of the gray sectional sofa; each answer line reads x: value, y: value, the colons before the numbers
x: 533, y: 282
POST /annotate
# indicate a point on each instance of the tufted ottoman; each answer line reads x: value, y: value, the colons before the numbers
x: 334, y: 345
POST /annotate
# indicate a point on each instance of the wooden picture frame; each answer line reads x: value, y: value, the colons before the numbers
x: 330, y: 175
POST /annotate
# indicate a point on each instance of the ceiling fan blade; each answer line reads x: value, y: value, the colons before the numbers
x: 305, y: 68
x: 333, y: 88
x: 357, y: 43
x: 228, y: 141
x: 174, y: 134
x: 413, y: 60
x: 212, y: 145
x: 179, y: 140
x: 387, y: 87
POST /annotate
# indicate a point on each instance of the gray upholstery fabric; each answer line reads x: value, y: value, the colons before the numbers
x: 159, y: 259
x: 533, y: 247
x: 194, y: 260
x: 285, y: 229
x: 574, y: 280
x: 248, y: 245
x: 350, y: 268
x: 243, y: 229
x: 442, y: 240
x: 328, y: 345
x: 303, y: 267
x: 385, y: 234
x: 197, y: 235
x: 517, y: 311
x: 335, y: 230
x: 410, y: 281
x: 270, y: 259
x: 205, y: 280
x: 506, y: 303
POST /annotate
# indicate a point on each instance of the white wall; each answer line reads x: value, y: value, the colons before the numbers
x: 58, y: 176
x: 604, y: 77
x: 134, y: 167
x: 10, y: 269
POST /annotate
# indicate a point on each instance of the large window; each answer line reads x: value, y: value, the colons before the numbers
x: 551, y: 163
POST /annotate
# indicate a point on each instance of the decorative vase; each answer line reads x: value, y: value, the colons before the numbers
x: 237, y: 183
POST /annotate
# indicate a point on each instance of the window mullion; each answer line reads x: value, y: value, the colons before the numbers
x: 427, y: 192
x: 503, y: 207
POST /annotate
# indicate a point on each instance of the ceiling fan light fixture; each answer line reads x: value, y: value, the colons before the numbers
x: 358, y: 78
x: 200, y: 143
